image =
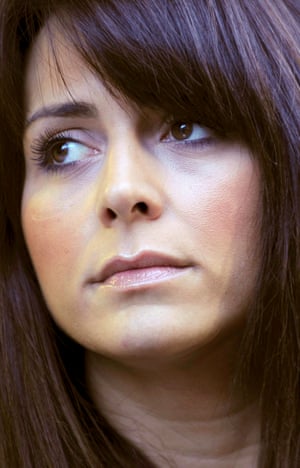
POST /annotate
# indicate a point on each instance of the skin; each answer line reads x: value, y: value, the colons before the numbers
x: 159, y: 356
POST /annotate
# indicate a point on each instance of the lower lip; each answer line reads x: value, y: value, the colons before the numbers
x: 143, y: 277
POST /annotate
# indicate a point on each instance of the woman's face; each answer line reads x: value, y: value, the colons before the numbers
x: 143, y: 232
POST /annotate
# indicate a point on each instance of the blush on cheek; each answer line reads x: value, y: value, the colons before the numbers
x: 235, y: 203
x: 229, y: 214
x: 225, y: 218
x: 228, y: 208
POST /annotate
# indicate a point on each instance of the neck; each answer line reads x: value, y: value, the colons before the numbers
x: 186, y: 412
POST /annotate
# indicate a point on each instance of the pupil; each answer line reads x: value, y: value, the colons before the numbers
x: 182, y: 130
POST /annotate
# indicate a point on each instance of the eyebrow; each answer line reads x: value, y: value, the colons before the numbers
x: 65, y: 109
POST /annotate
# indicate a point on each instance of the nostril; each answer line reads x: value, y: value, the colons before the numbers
x: 111, y: 214
x: 141, y: 207
x: 126, y: 213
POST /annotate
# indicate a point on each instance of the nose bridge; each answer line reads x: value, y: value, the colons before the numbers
x: 123, y: 168
x: 128, y: 188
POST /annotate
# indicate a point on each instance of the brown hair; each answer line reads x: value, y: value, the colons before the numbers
x: 234, y: 66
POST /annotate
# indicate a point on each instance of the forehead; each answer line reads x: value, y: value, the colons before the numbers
x: 56, y: 73
x: 54, y: 70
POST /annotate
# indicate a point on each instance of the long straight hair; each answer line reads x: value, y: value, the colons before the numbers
x: 233, y: 66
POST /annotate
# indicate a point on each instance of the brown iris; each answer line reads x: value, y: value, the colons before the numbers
x: 59, y: 152
x: 182, y: 130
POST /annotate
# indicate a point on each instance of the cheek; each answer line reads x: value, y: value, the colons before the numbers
x: 225, y: 206
x: 50, y: 232
x: 221, y: 212
x: 230, y: 210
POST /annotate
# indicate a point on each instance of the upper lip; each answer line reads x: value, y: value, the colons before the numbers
x: 143, y: 260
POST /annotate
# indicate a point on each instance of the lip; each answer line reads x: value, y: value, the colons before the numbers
x: 138, y: 270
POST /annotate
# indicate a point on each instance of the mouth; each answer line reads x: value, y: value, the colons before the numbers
x: 138, y: 271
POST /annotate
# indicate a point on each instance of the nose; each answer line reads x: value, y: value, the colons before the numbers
x: 130, y: 188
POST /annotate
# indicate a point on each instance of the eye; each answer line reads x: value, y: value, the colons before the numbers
x: 62, y: 150
x: 67, y: 151
x: 187, y: 131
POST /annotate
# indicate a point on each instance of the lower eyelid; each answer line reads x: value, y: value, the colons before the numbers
x: 196, y: 143
x: 70, y: 169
